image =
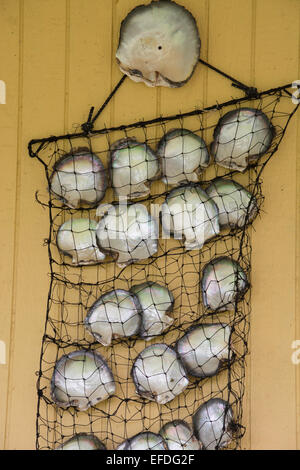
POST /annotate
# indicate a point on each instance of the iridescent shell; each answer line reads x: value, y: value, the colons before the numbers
x: 213, y: 424
x: 128, y: 232
x: 156, y: 301
x: 133, y: 165
x: 203, y: 349
x: 143, y: 441
x: 235, y: 204
x: 189, y: 213
x: 77, y: 238
x: 183, y: 156
x: 179, y: 436
x: 223, y: 283
x: 79, y: 179
x: 159, y: 44
x: 241, y: 137
x: 158, y: 374
x: 114, y: 315
x: 81, y: 379
x: 82, y: 441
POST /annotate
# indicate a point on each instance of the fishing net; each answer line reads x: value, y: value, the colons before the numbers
x: 79, y: 380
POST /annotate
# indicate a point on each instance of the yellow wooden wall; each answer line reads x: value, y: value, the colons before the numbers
x: 57, y: 59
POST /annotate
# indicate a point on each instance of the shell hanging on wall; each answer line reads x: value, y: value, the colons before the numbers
x: 183, y: 156
x: 204, y: 348
x: 236, y: 205
x: 213, y: 424
x: 79, y: 179
x: 82, y: 441
x: 77, y: 238
x: 188, y: 213
x: 156, y: 301
x: 223, y: 283
x: 158, y: 374
x: 179, y: 436
x: 159, y: 44
x: 128, y: 232
x: 143, y: 441
x: 133, y: 165
x: 114, y: 315
x: 241, y: 137
x: 81, y: 379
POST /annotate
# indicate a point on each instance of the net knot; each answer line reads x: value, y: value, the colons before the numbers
x: 87, y: 127
x: 251, y: 92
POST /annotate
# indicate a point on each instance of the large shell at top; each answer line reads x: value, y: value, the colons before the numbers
x: 143, y: 441
x: 241, y: 137
x: 189, y: 213
x: 179, y: 436
x: 236, y: 205
x: 183, y: 156
x: 82, y: 441
x: 156, y: 301
x: 158, y: 374
x: 77, y: 238
x: 133, y: 165
x: 114, y: 315
x: 213, y: 424
x: 78, y: 179
x: 128, y: 231
x: 81, y: 379
x: 159, y: 44
x: 223, y: 284
x: 204, y: 348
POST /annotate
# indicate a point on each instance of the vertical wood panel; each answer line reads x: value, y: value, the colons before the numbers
x: 273, y: 393
x: 89, y: 78
x: 90, y: 57
x: 231, y: 49
x: 9, y: 73
x: 297, y: 306
x: 42, y: 101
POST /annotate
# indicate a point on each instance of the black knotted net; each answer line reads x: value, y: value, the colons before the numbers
x: 184, y: 297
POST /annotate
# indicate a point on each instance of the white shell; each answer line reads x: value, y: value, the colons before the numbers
x: 241, y: 137
x: 156, y: 301
x: 79, y: 178
x: 212, y: 424
x: 133, y: 167
x: 81, y: 379
x: 77, y: 238
x: 114, y: 315
x: 82, y: 441
x: 128, y: 231
x: 159, y: 44
x: 158, y: 374
x: 202, y: 349
x: 189, y: 213
x: 179, y: 436
x: 183, y: 156
x: 223, y: 284
x: 143, y: 441
x: 235, y: 204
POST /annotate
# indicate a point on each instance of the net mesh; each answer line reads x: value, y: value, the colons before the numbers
x: 110, y: 301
